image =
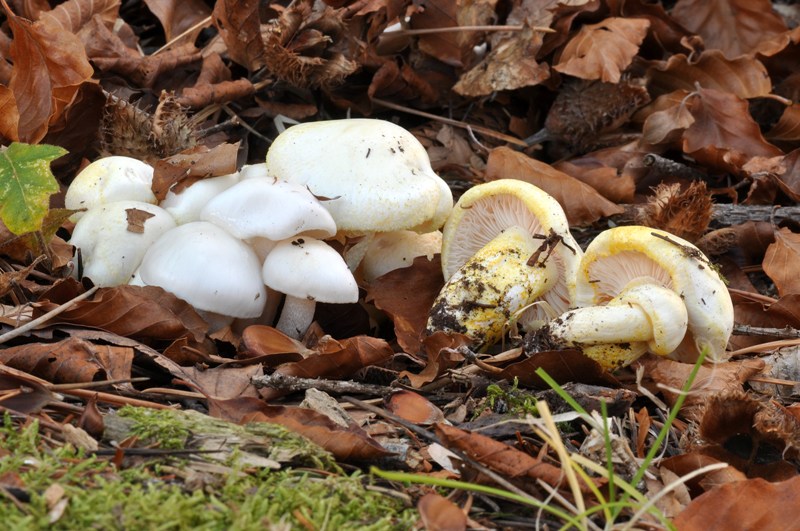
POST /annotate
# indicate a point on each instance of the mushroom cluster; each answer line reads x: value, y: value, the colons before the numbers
x: 230, y: 245
x: 507, y: 255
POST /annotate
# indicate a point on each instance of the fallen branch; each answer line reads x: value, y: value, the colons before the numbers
x: 290, y: 383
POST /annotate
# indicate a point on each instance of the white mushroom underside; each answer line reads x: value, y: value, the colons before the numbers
x: 608, y: 277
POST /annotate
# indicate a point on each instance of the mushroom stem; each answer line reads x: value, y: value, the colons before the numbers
x: 296, y: 316
x: 643, y: 312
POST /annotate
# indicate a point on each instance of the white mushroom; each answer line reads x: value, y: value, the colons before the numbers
x: 395, y: 250
x: 110, y: 179
x: 308, y: 271
x: 208, y: 268
x: 185, y: 206
x: 642, y: 289
x: 113, y: 238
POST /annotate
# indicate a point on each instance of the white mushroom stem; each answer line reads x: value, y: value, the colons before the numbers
x: 296, y: 316
x: 642, y: 313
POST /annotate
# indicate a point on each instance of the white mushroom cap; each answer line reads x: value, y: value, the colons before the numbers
x: 620, y: 255
x: 111, y: 247
x: 388, y: 251
x: 253, y: 171
x: 110, y: 179
x: 486, y: 293
x: 375, y: 175
x: 186, y: 205
x: 269, y: 209
x: 486, y: 210
x: 308, y: 271
x: 208, y: 268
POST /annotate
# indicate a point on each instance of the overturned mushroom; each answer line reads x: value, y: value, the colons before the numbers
x: 640, y: 289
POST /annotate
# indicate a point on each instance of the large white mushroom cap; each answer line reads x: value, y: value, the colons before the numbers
x: 185, y: 206
x: 208, y: 268
x: 375, y: 175
x: 113, y: 238
x: 109, y: 179
x: 266, y: 208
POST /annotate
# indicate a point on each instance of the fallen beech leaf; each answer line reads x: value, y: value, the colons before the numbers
x: 510, y: 65
x: 690, y: 461
x: 602, y: 51
x: 788, y: 127
x: 407, y: 308
x: 753, y: 311
x: 561, y: 365
x: 723, y: 125
x: 581, y: 203
x: 440, y: 514
x: 711, y: 379
x: 444, y: 46
x: 346, y: 444
x: 73, y: 15
x: 782, y: 262
x: 176, y: 16
x: 414, y: 408
x: 224, y: 383
x: 180, y: 171
x: 131, y: 311
x: 270, y: 345
x: 23, y: 392
x: 666, y: 126
x: 736, y: 27
x: 49, y: 66
x: 745, y: 76
x: 503, y: 458
x: 239, y: 26
x: 441, y: 356
x: 751, y: 504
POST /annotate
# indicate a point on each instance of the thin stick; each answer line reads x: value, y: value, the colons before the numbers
x: 30, y: 325
x: 183, y: 34
x: 763, y: 347
x: 109, y: 398
x: 88, y: 385
x: 786, y: 332
x: 293, y: 383
x: 456, y: 29
x: 455, y: 123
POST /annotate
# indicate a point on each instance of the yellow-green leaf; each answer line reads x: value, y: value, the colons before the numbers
x: 26, y: 184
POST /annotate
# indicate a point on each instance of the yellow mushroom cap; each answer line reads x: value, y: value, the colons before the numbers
x: 491, y: 287
x: 621, y: 255
x: 486, y: 210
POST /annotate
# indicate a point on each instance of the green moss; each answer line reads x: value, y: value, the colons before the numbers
x: 160, y: 495
x: 516, y: 401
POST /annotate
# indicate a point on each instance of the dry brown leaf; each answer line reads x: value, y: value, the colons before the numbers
x: 177, y: 16
x: 49, y: 66
x: 72, y: 360
x: 666, y: 126
x: 73, y: 15
x: 723, y: 134
x: 23, y: 392
x: 602, y: 51
x: 782, y: 262
x: 663, y: 28
x: 441, y: 355
x: 750, y: 504
x: 745, y: 77
x: 180, y: 171
x: 145, y: 313
x: 401, y: 84
x: 271, y: 346
x: 510, y: 65
x: 239, y: 26
x: 736, y: 27
x: 581, y: 203
x: 562, y: 365
x: 407, y: 308
x: 224, y: 383
x: 414, y: 408
x: 440, y: 514
x: 503, y: 458
x: 346, y: 444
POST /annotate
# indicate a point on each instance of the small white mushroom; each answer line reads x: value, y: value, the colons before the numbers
x: 113, y: 238
x: 185, y: 206
x: 110, y: 179
x: 208, y: 268
x: 397, y: 249
x: 308, y: 271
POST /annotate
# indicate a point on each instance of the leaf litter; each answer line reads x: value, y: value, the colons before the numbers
x: 681, y: 116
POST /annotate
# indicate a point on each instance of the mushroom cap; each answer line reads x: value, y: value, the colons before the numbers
x: 186, y: 205
x: 109, y: 179
x: 620, y: 255
x: 397, y: 249
x: 486, y: 210
x: 266, y: 208
x: 110, y: 251
x: 308, y: 268
x: 486, y: 293
x: 375, y: 175
x: 208, y: 268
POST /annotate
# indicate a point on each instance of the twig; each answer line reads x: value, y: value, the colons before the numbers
x: 763, y: 347
x: 422, y: 432
x: 786, y: 332
x: 30, y: 325
x: 455, y: 29
x: 287, y: 382
x: 726, y: 215
x: 455, y: 123
x: 182, y: 35
x: 663, y: 166
x: 86, y: 385
x: 117, y: 400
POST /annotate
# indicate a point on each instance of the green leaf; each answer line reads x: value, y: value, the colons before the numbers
x: 26, y: 184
